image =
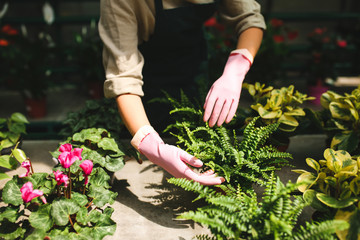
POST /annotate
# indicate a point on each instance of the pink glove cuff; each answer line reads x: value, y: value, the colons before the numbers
x: 140, y: 135
x: 245, y: 53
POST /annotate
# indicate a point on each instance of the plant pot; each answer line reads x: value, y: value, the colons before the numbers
x: 35, y: 108
x: 317, y: 91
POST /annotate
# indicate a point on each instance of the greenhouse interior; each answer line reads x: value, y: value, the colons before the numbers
x: 279, y: 147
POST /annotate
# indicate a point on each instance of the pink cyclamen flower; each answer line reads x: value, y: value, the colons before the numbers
x: 68, y: 155
x: 61, y: 178
x: 28, y: 194
x: 26, y: 165
x: 87, y: 167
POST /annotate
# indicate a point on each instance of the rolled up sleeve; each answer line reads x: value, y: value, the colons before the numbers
x: 122, y: 60
x: 242, y: 14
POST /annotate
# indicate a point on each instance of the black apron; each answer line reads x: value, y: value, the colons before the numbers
x: 173, y: 56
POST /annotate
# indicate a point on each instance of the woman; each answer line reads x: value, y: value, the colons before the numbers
x: 159, y: 44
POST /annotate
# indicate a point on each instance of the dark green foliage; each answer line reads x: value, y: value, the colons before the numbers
x: 98, y: 114
x: 235, y: 214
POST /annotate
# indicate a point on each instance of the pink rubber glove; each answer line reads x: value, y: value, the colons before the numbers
x: 223, y: 98
x: 174, y: 160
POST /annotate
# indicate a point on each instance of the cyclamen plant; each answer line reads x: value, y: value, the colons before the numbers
x: 71, y: 202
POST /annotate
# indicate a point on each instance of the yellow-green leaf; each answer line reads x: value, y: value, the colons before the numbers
x: 313, y: 164
x: 340, y: 111
x: 306, y: 180
x: 19, y: 155
x: 334, y: 159
x: 355, y: 186
x: 296, y: 112
x: 288, y: 120
x: 335, y: 203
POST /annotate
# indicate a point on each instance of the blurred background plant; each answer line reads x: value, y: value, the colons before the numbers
x: 274, y: 50
x: 86, y: 53
x: 331, y: 54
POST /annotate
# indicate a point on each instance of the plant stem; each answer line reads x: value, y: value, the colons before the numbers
x: 69, y: 188
x: 31, y: 167
x: 89, y: 204
x: 72, y: 224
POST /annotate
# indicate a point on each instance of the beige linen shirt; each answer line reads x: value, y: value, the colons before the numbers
x: 124, y: 24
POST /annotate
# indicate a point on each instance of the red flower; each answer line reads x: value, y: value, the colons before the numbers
x: 4, y: 42
x: 292, y: 35
x: 319, y: 31
x: 87, y: 167
x: 341, y: 43
x: 9, y: 30
x: 278, y: 38
x: 211, y: 22
x: 276, y: 22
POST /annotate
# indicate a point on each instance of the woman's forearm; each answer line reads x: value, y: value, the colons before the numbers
x: 250, y: 39
x: 132, y: 112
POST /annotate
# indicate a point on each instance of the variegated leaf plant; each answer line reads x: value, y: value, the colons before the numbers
x: 334, y: 188
x: 278, y: 105
x: 343, y: 126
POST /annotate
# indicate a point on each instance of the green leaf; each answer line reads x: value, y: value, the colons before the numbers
x: 95, y: 216
x: 348, y: 142
x: 11, y: 231
x: 114, y: 164
x: 6, y: 143
x: 9, y: 213
x: 311, y: 199
x: 17, y: 129
x: 313, y: 164
x: 37, y: 234
x: 101, y: 178
x: 335, y: 203
x: 19, y: 155
x: 109, y: 144
x: 82, y: 216
x: 101, y: 196
x: 18, y: 117
x: 4, y: 176
x: 62, y: 209
x: 11, y: 193
x: 355, y: 186
x: 6, y: 161
x: 79, y: 198
x: 340, y: 111
x: 354, y: 229
x: 94, y: 156
x: 288, y: 120
x: 333, y: 161
x: 41, y: 219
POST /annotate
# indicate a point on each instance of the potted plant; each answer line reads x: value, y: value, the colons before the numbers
x: 73, y: 201
x: 332, y: 189
x: 9, y: 38
x: 99, y: 113
x: 87, y: 55
x: 238, y: 214
x: 281, y: 106
x: 11, y: 131
x: 327, y: 49
x: 341, y: 121
x: 221, y: 150
x: 273, y: 52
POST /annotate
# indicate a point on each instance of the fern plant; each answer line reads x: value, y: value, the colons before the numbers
x: 241, y: 162
x: 237, y: 214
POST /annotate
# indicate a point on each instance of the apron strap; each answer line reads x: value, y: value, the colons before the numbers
x: 158, y: 6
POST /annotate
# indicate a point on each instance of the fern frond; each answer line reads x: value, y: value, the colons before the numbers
x: 319, y: 231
